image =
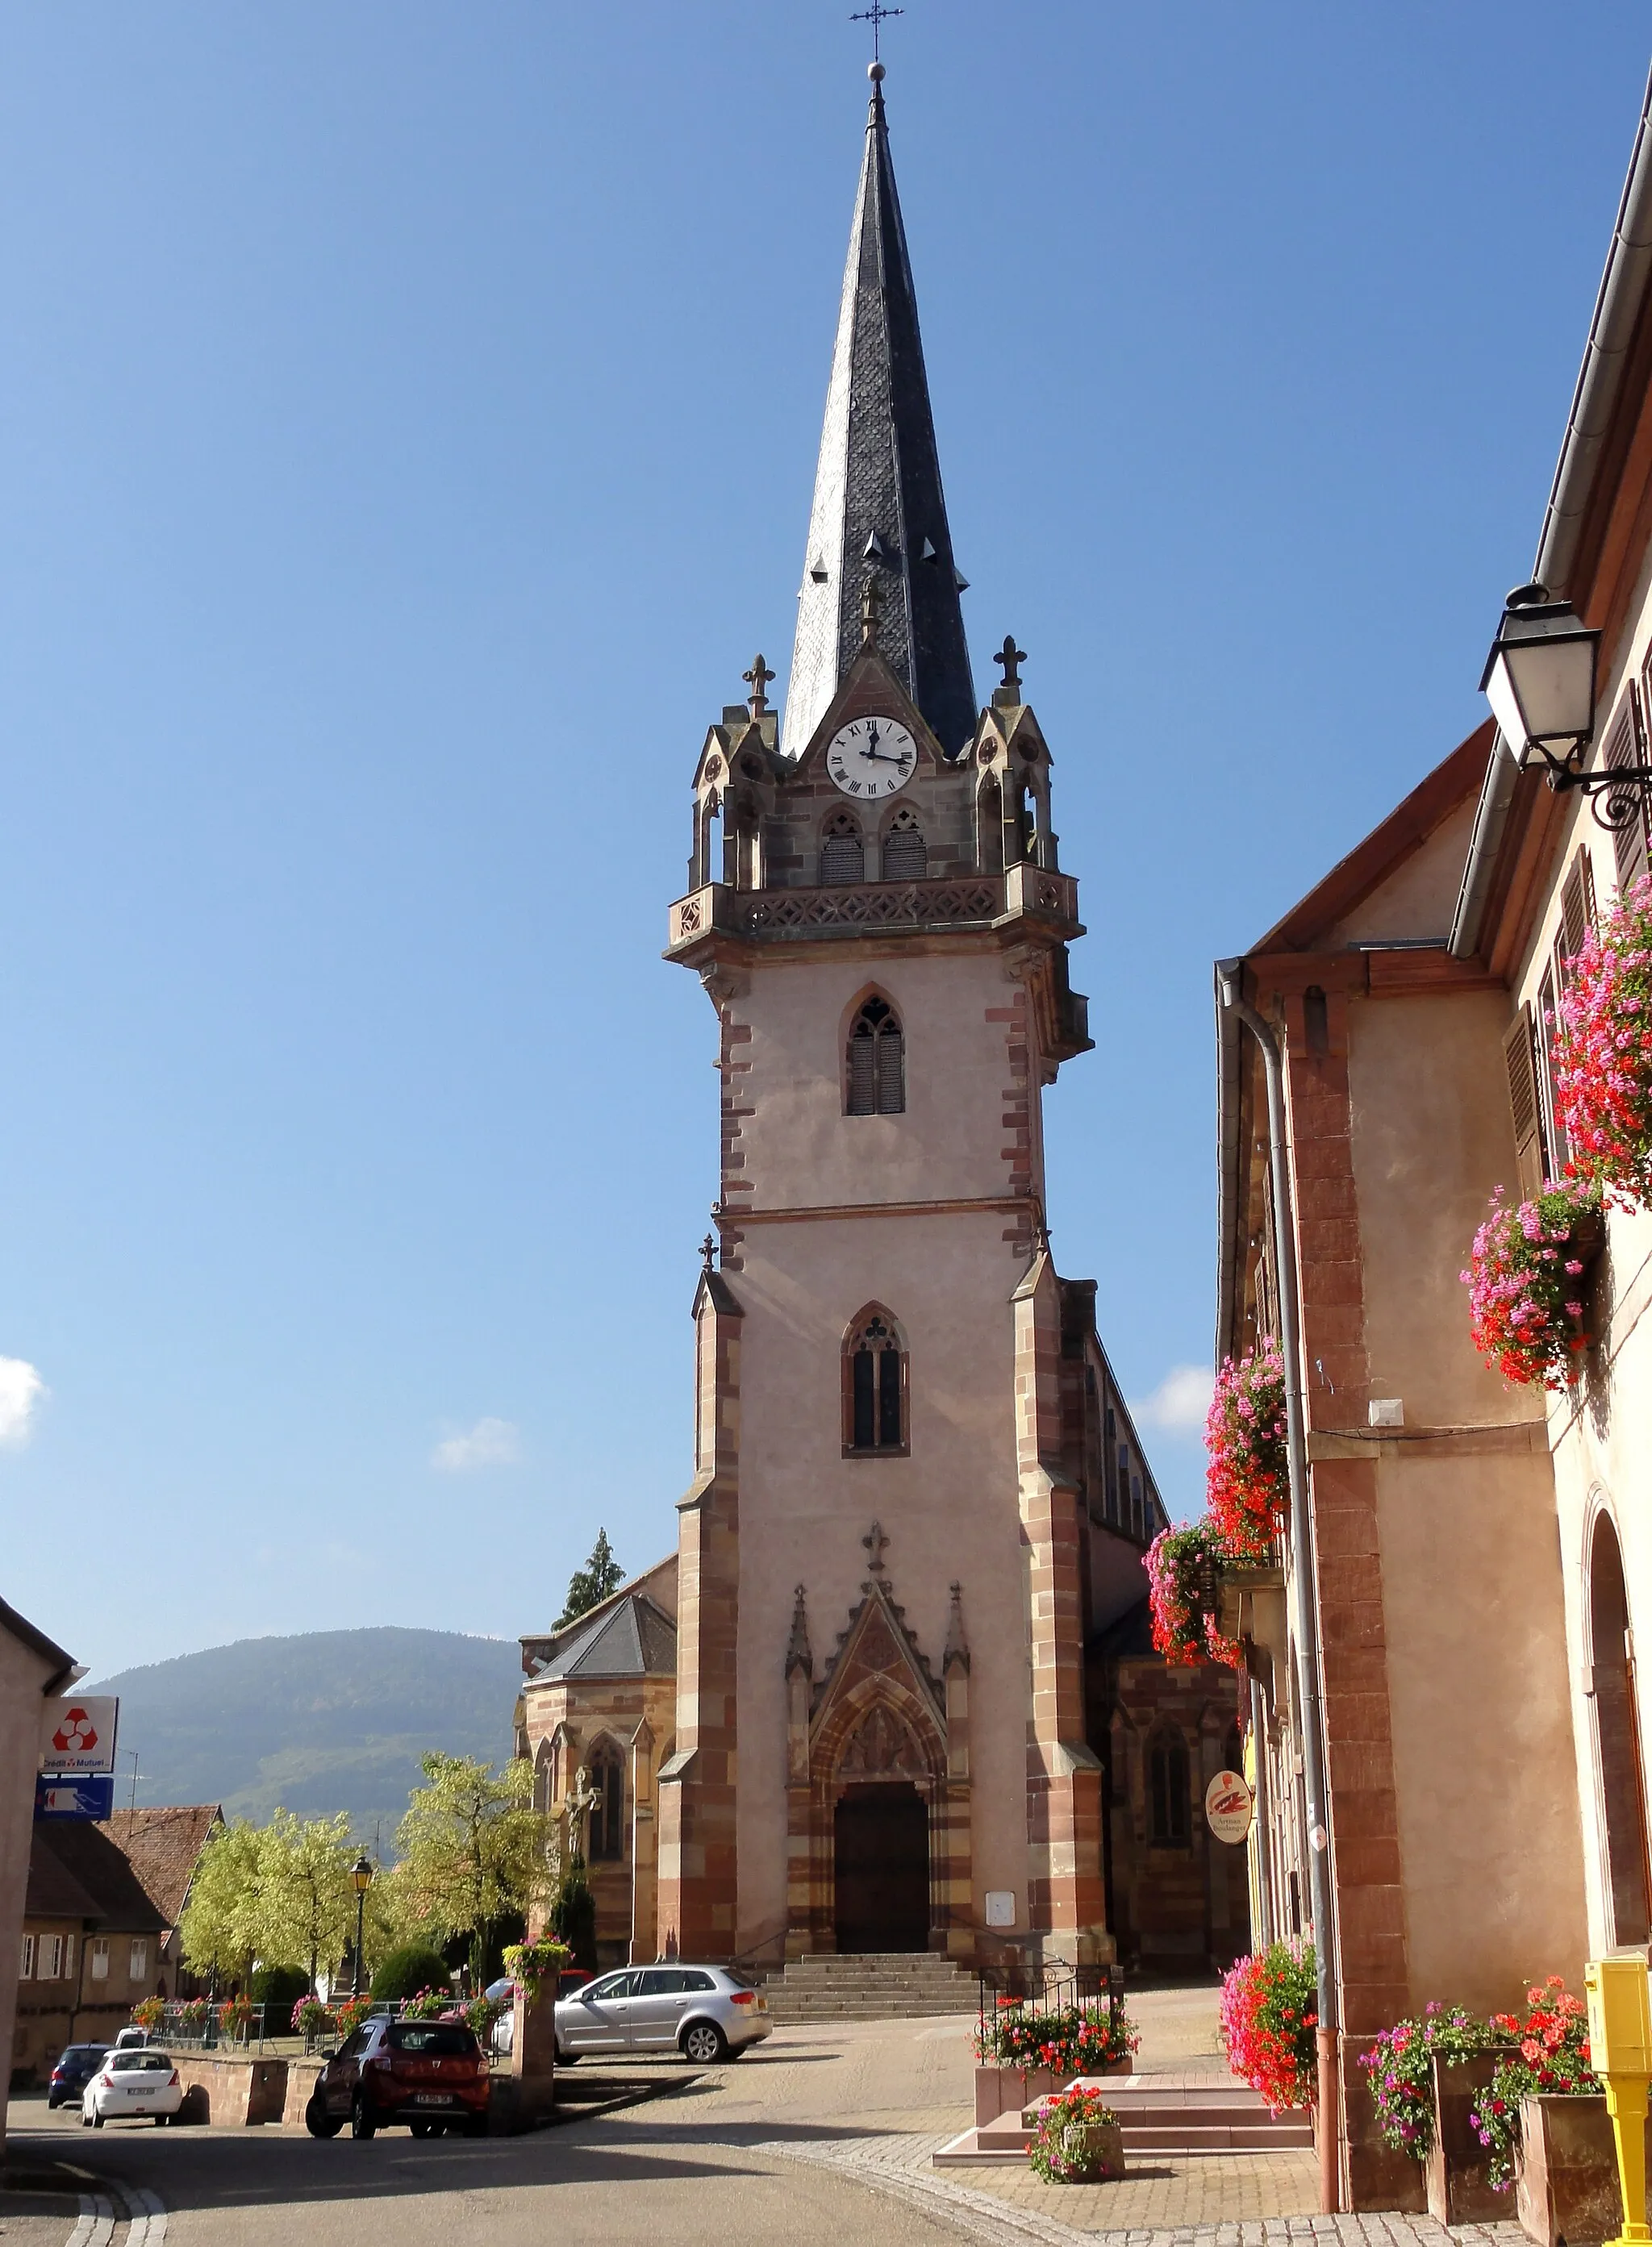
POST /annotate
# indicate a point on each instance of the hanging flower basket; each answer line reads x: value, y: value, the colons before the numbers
x: 1526, y: 1284
x: 1269, y: 2017
x: 1247, y: 1481
x: 350, y: 2014
x: 1184, y: 1573
x: 531, y: 1966
x: 1602, y: 1058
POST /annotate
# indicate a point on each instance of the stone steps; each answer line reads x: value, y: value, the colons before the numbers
x: 870, y: 1986
x: 1182, y: 2118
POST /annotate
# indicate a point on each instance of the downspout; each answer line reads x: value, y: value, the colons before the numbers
x: 1322, y: 1894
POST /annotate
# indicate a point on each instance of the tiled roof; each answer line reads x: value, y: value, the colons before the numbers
x: 76, y: 1872
x: 163, y: 1846
x: 634, y: 1638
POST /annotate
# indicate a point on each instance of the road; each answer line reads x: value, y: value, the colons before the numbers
x: 704, y: 2162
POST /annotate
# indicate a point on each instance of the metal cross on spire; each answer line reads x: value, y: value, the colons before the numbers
x: 876, y: 16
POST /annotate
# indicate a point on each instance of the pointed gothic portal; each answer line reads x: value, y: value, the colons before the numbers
x: 881, y: 1848
x: 878, y: 513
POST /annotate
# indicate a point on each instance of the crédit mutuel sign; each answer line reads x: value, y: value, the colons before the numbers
x: 77, y: 1756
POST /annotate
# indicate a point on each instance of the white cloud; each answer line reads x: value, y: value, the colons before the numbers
x: 21, y: 1390
x: 1181, y: 1400
x: 489, y: 1444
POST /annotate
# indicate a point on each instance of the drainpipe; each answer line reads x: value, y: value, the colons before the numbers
x: 1230, y: 974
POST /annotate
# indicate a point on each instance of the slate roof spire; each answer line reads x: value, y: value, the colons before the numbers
x: 878, y: 506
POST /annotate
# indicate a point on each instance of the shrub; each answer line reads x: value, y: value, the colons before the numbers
x: 1060, y: 2151
x: 1270, y: 2011
x: 573, y: 1916
x: 1247, y: 1482
x: 1182, y: 1564
x: 415, y: 1966
x: 1402, y: 2081
x: 279, y: 1989
x: 1603, y: 1052
x: 1071, y: 2040
x: 1551, y: 2054
x: 1524, y: 1281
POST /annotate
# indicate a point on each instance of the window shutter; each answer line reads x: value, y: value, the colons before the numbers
x: 892, y: 1085
x: 1543, y: 1043
x: 1520, y: 1060
x: 1623, y: 735
x: 840, y: 860
x: 865, y: 1431
x: 905, y: 859
x: 888, y: 1398
x: 1577, y: 912
x: 862, y: 1072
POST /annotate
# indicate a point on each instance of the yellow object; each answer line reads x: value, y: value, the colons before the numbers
x: 1620, y: 2002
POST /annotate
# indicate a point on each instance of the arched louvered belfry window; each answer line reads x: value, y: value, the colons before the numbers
x: 877, y: 1061
x: 841, y: 858
x: 905, y: 858
x: 989, y: 828
x: 1167, y: 1819
x: 608, y: 1812
x: 874, y: 1384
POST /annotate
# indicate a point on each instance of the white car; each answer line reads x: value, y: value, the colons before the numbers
x: 140, y: 2081
x: 705, y: 2012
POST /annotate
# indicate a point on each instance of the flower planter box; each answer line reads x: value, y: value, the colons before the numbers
x: 1567, y: 2185
x: 1459, y: 2189
x: 1008, y: 2090
x: 1103, y: 2157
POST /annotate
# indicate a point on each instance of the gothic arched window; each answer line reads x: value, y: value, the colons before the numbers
x: 874, y: 1384
x: 877, y: 1061
x: 905, y: 858
x: 841, y: 858
x: 1167, y: 1790
x: 989, y: 828
x: 608, y: 1812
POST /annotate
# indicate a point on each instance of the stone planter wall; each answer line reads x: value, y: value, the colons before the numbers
x: 1104, y: 2151
x: 301, y: 2081
x: 1457, y: 2188
x: 1568, y: 2182
x: 237, y: 2091
x: 1007, y: 2090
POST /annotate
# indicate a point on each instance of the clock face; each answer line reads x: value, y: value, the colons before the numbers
x: 871, y: 757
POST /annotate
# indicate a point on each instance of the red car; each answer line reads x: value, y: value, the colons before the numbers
x: 430, y: 2075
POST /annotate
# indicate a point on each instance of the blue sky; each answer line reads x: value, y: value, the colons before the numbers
x: 408, y: 418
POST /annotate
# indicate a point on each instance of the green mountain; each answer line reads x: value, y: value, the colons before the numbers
x: 329, y: 1720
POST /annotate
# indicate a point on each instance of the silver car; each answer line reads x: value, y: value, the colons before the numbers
x: 705, y: 2012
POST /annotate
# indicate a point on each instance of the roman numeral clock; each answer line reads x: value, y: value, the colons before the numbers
x: 871, y: 757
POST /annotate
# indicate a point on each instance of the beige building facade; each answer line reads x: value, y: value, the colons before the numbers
x: 32, y: 1668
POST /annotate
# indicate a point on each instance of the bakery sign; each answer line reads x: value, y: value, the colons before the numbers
x: 1227, y: 1806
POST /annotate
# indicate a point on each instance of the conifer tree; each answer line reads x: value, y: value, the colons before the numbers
x: 591, y: 1585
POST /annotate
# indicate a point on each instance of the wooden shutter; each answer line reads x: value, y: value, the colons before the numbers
x: 1519, y: 1059
x: 905, y: 858
x: 1577, y: 913
x: 1623, y: 747
x: 863, y: 1071
x: 1543, y: 1056
x: 891, y: 1072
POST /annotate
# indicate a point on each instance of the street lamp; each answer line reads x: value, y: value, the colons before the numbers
x: 1539, y: 680
x: 361, y: 1874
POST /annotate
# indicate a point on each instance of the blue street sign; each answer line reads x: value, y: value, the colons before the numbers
x: 87, y: 1796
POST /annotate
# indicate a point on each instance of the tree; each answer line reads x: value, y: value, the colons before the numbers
x: 309, y: 1899
x: 473, y: 1846
x: 591, y: 1585
x: 221, y: 1921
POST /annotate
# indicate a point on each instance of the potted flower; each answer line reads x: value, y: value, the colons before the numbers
x: 148, y: 2013
x: 1269, y: 2017
x: 1524, y: 1281
x: 1183, y: 1566
x: 192, y: 2018
x: 350, y: 2014
x: 1542, y: 2119
x: 533, y: 1964
x: 1424, y: 2076
x: 1602, y: 1056
x: 310, y: 2018
x: 1024, y: 2050
x: 1077, y: 2139
x: 234, y: 2020
x: 1247, y: 1477
x: 427, y: 2004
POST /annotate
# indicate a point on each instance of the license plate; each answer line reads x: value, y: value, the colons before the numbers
x: 432, y: 2099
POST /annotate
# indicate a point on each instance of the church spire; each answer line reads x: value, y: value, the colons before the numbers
x: 878, y: 511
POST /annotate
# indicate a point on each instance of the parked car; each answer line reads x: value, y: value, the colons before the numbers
x: 706, y: 2012
x: 140, y: 2081
x: 430, y: 2075
x: 77, y: 2064
x: 132, y: 2039
x: 503, y: 1993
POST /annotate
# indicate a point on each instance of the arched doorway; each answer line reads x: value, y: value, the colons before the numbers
x: 1617, y: 1731
x: 881, y: 1866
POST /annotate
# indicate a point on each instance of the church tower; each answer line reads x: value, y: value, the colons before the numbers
x: 908, y: 1510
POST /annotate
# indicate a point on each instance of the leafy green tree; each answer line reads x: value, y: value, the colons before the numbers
x: 473, y: 1848
x: 222, y: 1925
x: 591, y: 1585
x: 309, y: 1898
